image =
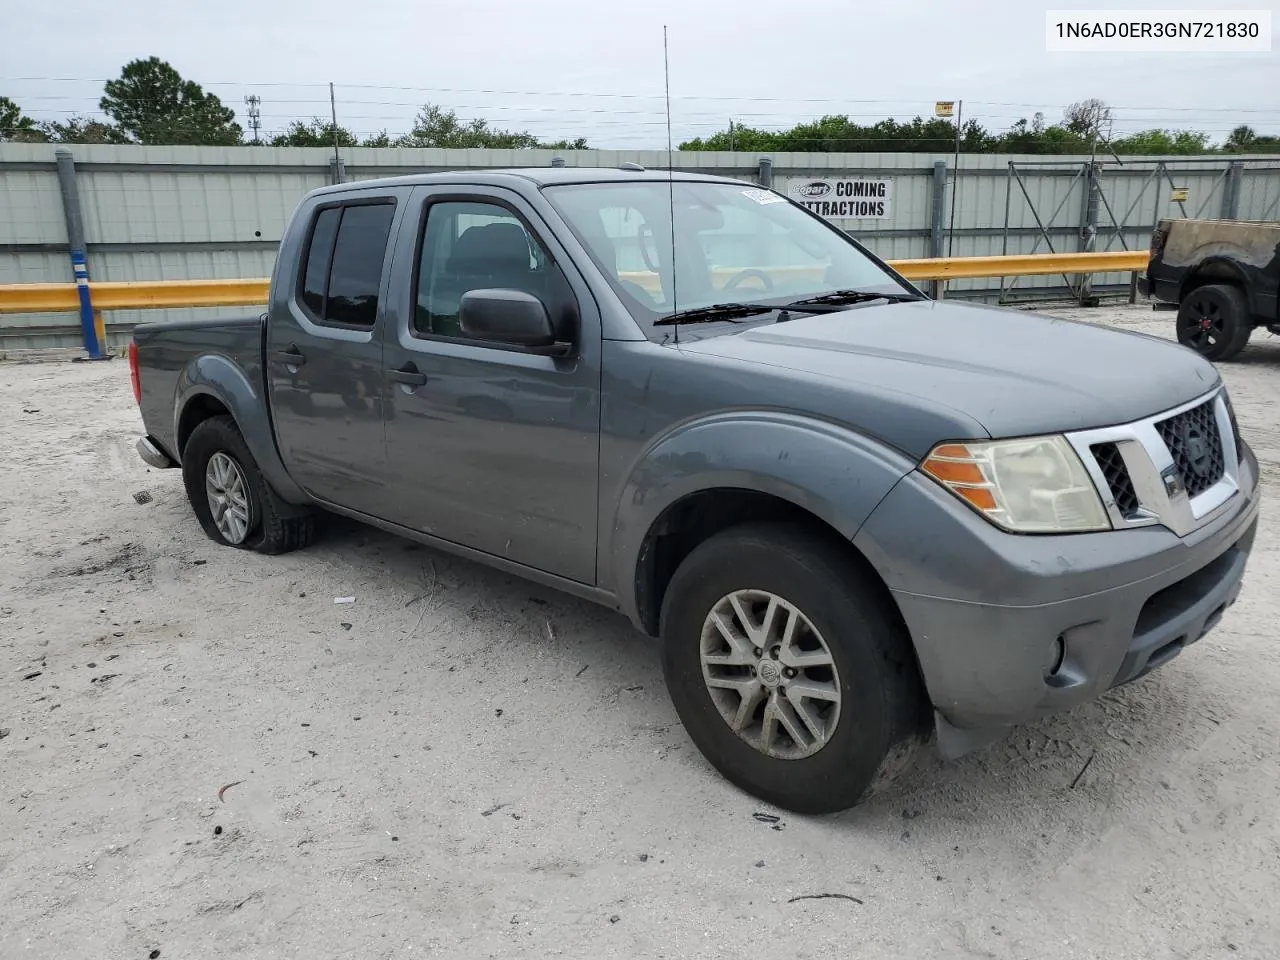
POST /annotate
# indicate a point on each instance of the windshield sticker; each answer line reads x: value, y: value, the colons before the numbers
x: 763, y: 196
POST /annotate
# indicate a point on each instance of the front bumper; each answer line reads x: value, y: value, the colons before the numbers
x: 987, y: 610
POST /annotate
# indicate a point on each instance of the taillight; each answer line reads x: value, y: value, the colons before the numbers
x: 133, y: 373
x: 1158, y: 237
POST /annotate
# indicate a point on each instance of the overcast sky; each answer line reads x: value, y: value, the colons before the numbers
x: 569, y: 68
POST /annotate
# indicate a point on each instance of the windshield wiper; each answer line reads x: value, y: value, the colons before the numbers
x: 717, y: 311
x: 843, y: 298
x: 824, y: 303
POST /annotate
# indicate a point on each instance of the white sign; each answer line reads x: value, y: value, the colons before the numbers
x: 845, y: 199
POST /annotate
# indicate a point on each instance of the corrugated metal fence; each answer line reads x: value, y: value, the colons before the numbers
x: 170, y: 213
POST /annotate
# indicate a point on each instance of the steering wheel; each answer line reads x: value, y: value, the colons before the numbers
x: 644, y: 234
x: 749, y: 273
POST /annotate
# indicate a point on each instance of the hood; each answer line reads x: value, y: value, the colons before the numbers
x: 1014, y: 372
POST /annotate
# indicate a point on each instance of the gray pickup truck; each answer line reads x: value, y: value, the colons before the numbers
x: 858, y: 519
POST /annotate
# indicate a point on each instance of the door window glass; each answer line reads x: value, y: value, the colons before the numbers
x: 469, y: 245
x: 344, y: 264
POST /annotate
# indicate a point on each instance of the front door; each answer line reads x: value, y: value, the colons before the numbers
x: 324, y: 352
x: 488, y: 446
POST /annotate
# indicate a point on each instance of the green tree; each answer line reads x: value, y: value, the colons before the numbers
x: 579, y: 143
x: 435, y: 126
x: 839, y: 134
x: 15, y: 125
x: 1087, y: 118
x: 79, y: 129
x: 151, y: 103
x: 316, y: 133
x: 1163, y: 142
x: 1244, y: 139
x: 379, y: 139
x: 1241, y: 138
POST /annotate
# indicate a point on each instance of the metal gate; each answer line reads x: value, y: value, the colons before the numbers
x: 1113, y: 204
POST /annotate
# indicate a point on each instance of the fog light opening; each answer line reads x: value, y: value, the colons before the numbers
x: 1057, y: 654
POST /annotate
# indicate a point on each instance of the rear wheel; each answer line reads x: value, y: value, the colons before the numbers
x: 232, y: 499
x: 1214, y: 321
x: 789, y: 668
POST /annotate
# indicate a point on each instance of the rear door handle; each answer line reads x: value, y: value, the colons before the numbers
x: 291, y: 356
x: 409, y: 375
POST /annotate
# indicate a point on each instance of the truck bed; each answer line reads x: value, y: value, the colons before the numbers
x: 166, y: 349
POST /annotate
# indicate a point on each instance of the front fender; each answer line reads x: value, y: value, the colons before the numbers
x: 832, y: 472
x: 219, y: 377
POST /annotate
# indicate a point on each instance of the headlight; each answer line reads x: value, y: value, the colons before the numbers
x: 1032, y: 485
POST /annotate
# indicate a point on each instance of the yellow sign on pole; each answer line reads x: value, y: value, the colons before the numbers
x: 1180, y: 194
x: 944, y: 108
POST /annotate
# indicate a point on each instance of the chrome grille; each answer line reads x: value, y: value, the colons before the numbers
x: 1193, y: 442
x: 1176, y: 468
x: 1111, y: 463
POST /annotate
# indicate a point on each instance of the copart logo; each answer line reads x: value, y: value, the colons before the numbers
x: 814, y: 189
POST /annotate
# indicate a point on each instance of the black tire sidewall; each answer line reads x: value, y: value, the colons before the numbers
x: 1236, y: 326
x: 881, y: 696
x: 220, y: 435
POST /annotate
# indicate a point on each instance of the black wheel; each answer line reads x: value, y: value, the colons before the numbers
x: 232, y: 499
x: 789, y: 670
x: 1214, y: 321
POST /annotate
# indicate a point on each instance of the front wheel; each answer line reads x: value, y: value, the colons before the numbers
x: 1214, y: 321
x: 232, y: 499
x: 789, y: 668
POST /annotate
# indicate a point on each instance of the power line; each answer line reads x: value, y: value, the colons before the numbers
x: 638, y: 96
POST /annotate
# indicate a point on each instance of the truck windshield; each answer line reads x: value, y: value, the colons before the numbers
x: 733, y: 244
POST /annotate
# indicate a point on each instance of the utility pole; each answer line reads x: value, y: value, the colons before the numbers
x: 333, y: 115
x: 254, y: 103
x: 955, y: 180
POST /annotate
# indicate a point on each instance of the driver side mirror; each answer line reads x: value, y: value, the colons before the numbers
x: 510, y: 317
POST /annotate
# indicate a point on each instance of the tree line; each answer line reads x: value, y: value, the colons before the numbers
x: 1085, y: 128
x: 151, y: 103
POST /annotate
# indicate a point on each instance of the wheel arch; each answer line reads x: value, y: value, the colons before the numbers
x: 1218, y: 269
x: 696, y: 517
x: 214, y: 385
x: 710, y: 474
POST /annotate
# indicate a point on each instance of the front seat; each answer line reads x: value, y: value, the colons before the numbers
x: 486, y: 256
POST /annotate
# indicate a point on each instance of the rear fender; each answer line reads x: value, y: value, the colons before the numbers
x: 218, y: 377
x: 834, y: 473
x: 1246, y: 267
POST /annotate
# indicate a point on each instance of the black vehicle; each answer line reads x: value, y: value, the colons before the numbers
x: 1223, y: 278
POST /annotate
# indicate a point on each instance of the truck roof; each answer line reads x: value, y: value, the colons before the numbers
x: 524, y: 176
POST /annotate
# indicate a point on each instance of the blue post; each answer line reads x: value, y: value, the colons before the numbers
x: 91, y: 327
x: 88, y: 324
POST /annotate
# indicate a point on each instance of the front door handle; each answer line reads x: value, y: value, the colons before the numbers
x: 292, y: 356
x: 409, y: 375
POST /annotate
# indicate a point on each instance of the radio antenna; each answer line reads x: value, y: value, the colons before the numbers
x: 671, y: 180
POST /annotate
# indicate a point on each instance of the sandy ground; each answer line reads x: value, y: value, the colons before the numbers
x: 460, y: 764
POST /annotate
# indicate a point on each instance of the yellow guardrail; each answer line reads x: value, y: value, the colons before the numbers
x: 132, y: 295
x: 1039, y: 264
x: 144, y: 294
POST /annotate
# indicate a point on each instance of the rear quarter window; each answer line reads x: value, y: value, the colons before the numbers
x: 343, y: 263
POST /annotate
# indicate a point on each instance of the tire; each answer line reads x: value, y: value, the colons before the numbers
x: 882, y: 719
x: 1214, y: 321
x: 269, y: 524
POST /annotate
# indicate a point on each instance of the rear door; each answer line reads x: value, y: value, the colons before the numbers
x: 488, y: 446
x: 323, y: 351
